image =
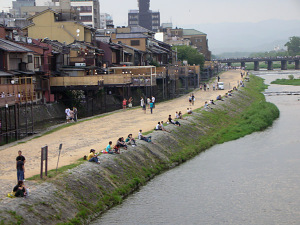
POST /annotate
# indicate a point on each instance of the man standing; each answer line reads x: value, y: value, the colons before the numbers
x: 20, y: 161
x: 67, y: 112
x: 153, y: 101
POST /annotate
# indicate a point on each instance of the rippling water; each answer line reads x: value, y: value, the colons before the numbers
x: 253, y: 180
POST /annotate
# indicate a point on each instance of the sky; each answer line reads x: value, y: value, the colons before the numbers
x: 186, y: 12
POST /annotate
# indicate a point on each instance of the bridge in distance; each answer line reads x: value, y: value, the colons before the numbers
x: 284, y: 61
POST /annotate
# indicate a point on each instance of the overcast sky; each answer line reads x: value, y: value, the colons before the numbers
x: 186, y: 12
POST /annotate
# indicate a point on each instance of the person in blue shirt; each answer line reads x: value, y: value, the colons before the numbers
x: 151, y: 107
x: 109, y: 148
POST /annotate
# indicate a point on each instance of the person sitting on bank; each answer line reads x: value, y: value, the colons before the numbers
x: 219, y: 98
x: 176, y: 115
x: 20, y: 190
x: 122, y: 143
x: 173, y: 122
x: 141, y: 137
x: 117, y: 149
x: 158, y: 126
x: 130, y: 140
x: 189, y: 110
x: 92, y: 157
x: 109, y: 149
x: 163, y: 128
x: 206, y: 106
x: 212, y: 102
x: 229, y: 93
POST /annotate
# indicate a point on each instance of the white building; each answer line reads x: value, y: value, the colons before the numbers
x: 106, y: 21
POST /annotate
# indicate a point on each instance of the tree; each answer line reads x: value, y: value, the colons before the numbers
x: 190, y: 54
x: 293, y: 46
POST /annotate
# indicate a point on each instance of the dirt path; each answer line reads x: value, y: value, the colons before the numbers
x: 77, y: 140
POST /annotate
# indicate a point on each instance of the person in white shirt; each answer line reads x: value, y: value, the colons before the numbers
x: 67, y: 112
x: 176, y: 115
x: 153, y: 100
x: 158, y: 126
x: 141, y: 137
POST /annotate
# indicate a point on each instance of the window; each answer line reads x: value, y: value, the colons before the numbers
x: 135, y: 43
x: 86, y: 18
x: 29, y: 58
x: 36, y: 62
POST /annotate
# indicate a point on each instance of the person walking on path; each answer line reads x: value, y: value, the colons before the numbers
x: 67, y: 112
x: 144, y: 108
x: 151, y: 107
x: 20, y: 162
x: 148, y: 102
x: 204, y: 86
x: 193, y: 99
x: 130, y: 100
x: 153, y: 101
x: 218, y: 78
x: 75, y: 113
x: 124, y: 104
x: 142, y: 102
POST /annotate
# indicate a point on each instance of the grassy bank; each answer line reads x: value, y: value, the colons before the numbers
x: 295, y: 82
x: 83, y: 193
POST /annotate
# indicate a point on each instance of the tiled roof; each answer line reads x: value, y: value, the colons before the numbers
x: 190, y: 32
x: 9, y: 46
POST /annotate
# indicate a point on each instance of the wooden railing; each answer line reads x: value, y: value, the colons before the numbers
x: 116, y: 79
x: 76, y: 81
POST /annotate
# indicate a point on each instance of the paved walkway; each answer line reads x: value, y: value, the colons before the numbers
x: 77, y: 140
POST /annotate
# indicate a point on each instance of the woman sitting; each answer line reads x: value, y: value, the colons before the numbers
x: 130, y: 140
x: 92, y: 157
x: 20, y: 190
x: 122, y: 143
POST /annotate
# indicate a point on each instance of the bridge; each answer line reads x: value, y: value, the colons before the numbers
x: 269, y: 60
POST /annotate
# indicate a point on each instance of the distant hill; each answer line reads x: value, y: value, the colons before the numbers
x: 248, y: 37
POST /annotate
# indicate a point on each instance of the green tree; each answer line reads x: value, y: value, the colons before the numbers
x: 293, y: 45
x: 189, y: 54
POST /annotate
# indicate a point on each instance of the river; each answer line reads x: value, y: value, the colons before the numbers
x: 253, y: 180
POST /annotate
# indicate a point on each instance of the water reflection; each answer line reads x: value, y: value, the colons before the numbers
x: 253, y: 180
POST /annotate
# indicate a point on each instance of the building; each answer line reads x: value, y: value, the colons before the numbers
x: 16, y: 6
x: 144, y: 17
x: 190, y: 37
x: 52, y: 25
x: 106, y: 21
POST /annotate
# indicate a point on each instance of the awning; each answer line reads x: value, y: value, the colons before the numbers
x: 5, y: 74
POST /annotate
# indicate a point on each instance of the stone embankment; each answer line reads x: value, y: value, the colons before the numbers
x: 83, y: 193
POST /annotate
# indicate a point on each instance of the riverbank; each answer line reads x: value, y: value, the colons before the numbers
x: 84, y: 192
x: 96, y: 132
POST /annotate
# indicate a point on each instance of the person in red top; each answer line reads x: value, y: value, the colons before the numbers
x: 124, y: 103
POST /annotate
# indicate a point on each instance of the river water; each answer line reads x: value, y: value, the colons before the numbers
x: 253, y: 180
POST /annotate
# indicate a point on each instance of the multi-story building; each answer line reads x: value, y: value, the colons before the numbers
x: 16, y: 6
x: 89, y: 11
x: 106, y: 21
x: 191, y: 37
x: 52, y: 25
x: 144, y: 16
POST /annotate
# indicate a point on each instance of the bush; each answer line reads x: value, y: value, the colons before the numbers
x: 291, y: 77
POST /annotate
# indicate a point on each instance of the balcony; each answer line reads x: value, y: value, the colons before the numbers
x: 76, y: 83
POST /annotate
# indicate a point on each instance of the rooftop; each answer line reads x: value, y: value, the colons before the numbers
x: 10, y: 46
x: 188, y: 32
